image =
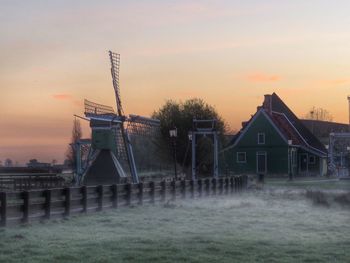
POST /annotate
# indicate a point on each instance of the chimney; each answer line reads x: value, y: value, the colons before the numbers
x: 267, y: 105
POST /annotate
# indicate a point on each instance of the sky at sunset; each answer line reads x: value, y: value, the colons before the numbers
x: 53, y: 54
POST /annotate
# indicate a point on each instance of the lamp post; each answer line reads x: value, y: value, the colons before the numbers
x: 173, y: 135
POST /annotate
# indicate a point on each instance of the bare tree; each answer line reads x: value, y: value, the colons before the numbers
x: 76, y: 135
x: 319, y: 114
x: 8, y: 162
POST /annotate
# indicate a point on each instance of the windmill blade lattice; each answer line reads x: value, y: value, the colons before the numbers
x: 115, y: 65
x: 143, y: 126
x: 95, y: 108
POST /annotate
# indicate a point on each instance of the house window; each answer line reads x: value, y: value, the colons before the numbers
x: 261, y: 138
x: 241, y: 157
x: 312, y: 159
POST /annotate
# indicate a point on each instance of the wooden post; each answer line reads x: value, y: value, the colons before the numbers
x: 226, y: 183
x: 200, y: 187
x: 114, y: 189
x: 151, y: 192
x: 140, y: 194
x: 232, y: 184
x: 128, y: 194
x: 183, y: 189
x: 173, y: 190
x: 26, y: 204
x: 192, y: 188
x: 84, y: 199
x: 163, y: 190
x: 236, y: 183
x: 67, y: 201
x: 221, y: 186
x: 47, y: 194
x: 214, y: 183
x: 3, y: 197
x: 99, y: 189
x: 207, y: 186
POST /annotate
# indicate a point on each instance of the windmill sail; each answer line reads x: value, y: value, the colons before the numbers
x: 95, y: 108
x: 115, y: 65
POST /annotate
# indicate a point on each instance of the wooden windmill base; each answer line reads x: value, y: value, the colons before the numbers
x: 104, y: 169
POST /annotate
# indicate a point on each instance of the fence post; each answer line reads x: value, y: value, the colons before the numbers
x: 25, y: 196
x: 245, y: 182
x: 114, y: 196
x: 192, y: 188
x: 214, y: 185
x: 3, y: 197
x: 173, y: 190
x: 84, y: 200
x: 140, y: 194
x: 99, y: 189
x: 221, y: 186
x: 47, y: 194
x: 163, y: 190
x: 200, y: 187
x: 226, y: 183
x: 128, y: 194
x: 232, y: 184
x: 67, y: 201
x: 207, y: 186
x: 183, y: 189
x: 236, y: 183
x: 152, y: 191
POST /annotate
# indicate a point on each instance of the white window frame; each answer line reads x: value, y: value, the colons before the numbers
x: 245, y: 157
x: 263, y: 134
x: 313, y: 158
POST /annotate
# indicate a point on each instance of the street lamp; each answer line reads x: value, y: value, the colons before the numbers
x: 173, y: 135
x: 190, y: 136
x: 290, y: 160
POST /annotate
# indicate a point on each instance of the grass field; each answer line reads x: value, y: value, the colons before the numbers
x: 279, y: 224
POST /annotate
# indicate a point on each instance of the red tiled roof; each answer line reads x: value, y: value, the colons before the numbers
x: 287, y: 129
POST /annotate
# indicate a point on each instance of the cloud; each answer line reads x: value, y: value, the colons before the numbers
x: 261, y: 77
x: 69, y: 98
x: 62, y: 96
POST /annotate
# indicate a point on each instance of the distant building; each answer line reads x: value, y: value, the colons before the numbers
x: 322, y: 129
x: 275, y: 142
x: 33, y: 163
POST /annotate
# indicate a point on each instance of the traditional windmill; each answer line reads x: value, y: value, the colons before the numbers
x: 110, y: 157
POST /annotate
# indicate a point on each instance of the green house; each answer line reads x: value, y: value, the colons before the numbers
x: 276, y: 143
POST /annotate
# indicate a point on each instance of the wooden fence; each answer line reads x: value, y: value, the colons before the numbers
x: 20, y: 182
x: 27, y: 206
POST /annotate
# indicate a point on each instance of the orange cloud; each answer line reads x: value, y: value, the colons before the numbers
x: 62, y: 96
x: 261, y: 77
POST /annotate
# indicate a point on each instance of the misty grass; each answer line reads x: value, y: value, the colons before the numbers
x: 310, y: 183
x: 257, y: 227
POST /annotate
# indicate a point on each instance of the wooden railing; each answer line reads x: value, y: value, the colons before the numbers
x: 27, y: 206
x: 20, y: 182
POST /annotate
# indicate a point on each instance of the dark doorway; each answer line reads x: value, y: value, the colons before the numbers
x: 261, y: 164
x: 303, y: 163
